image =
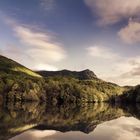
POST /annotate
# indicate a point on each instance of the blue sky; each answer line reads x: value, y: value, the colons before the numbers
x: 101, y: 35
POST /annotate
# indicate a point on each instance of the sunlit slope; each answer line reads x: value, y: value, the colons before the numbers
x: 9, y: 66
x: 18, y: 83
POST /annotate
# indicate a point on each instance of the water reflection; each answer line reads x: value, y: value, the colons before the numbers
x: 88, y: 121
x: 123, y: 128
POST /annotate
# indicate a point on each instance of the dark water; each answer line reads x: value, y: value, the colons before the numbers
x: 33, y: 121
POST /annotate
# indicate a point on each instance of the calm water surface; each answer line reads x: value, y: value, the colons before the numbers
x: 123, y: 128
x: 69, y: 122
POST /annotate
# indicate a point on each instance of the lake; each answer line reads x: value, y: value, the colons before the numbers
x: 100, y: 121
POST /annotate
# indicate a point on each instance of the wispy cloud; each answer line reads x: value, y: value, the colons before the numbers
x: 126, y: 71
x: 131, y: 33
x: 113, y: 66
x: 39, y: 49
x: 101, y: 52
x: 40, y: 46
x: 113, y: 11
x: 131, y: 67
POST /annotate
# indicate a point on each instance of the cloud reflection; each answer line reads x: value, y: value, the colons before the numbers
x: 119, y: 129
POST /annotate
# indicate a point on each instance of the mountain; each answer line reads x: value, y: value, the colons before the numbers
x: 18, y: 83
x: 78, y: 86
x: 9, y: 66
x: 82, y: 75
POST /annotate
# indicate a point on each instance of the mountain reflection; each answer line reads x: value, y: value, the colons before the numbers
x: 123, y: 128
x: 16, y: 118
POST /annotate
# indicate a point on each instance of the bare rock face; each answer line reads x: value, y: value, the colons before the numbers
x: 87, y: 75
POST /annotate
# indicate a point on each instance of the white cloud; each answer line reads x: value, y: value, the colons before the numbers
x: 122, y: 70
x: 37, y: 49
x: 127, y: 64
x: 40, y: 46
x: 131, y: 33
x: 125, y: 72
x: 123, y: 128
x: 113, y: 11
x: 101, y: 52
x: 113, y: 67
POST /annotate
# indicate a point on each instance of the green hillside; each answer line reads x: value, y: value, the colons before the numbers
x: 10, y: 67
x: 82, y: 86
x: 132, y: 95
x: 70, y: 89
x: 18, y: 83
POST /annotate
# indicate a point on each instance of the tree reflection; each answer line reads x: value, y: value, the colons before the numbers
x: 16, y: 118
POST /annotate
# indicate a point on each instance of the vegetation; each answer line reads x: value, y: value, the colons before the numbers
x: 9, y: 66
x: 63, y: 89
x: 132, y: 95
x: 18, y: 117
x: 18, y: 83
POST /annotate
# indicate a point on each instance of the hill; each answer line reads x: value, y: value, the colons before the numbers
x: 18, y: 83
x: 79, y: 86
x: 81, y: 75
x: 132, y: 95
x: 9, y: 66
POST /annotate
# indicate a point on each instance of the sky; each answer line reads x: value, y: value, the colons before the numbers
x: 100, y: 35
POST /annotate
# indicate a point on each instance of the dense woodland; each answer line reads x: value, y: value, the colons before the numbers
x: 18, y: 83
